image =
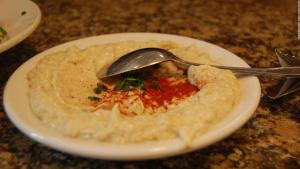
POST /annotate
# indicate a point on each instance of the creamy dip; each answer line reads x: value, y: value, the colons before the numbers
x: 61, y: 84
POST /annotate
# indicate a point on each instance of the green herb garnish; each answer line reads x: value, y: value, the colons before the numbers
x: 130, y: 79
x: 141, y: 84
x: 97, y: 91
x: 120, y: 85
x: 100, y: 88
x: 154, y: 84
x: 3, y: 31
x: 129, y: 83
x: 137, y: 75
x: 94, y: 98
x: 127, y: 88
x: 23, y: 13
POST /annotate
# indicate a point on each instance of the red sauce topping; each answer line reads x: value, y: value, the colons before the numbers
x: 166, y: 92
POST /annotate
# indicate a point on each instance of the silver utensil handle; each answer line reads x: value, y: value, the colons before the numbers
x: 275, y: 72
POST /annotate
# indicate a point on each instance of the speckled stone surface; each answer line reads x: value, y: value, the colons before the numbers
x: 248, y: 28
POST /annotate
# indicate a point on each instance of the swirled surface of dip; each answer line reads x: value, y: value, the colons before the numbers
x: 62, y: 95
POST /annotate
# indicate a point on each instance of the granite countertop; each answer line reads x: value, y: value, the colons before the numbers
x: 249, y: 28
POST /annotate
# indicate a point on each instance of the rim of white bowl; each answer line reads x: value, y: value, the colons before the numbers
x: 109, y: 151
x: 19, y: 37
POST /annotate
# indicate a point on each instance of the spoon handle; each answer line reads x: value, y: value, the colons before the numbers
x: 275, y: 72
x: 278, y: 71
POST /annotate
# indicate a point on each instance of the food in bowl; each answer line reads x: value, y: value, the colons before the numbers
x: 158, y: 103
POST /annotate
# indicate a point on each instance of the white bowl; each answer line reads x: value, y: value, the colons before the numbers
x: 17, y: 106
x: 18, y: 25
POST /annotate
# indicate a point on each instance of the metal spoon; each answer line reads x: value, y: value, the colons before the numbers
x: 150, y: 56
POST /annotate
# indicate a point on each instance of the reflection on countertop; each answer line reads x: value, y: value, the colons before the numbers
x: 249, y: 28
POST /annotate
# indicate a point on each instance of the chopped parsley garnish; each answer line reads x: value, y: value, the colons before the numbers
x: 3, y: 34
x: 23, y: 13
x: 100, y: 88
x: 154, y: 84
x: 94, y: 98
x: 119, y: 85
x: 127, y: 88
x: 129, y: 83
x: 2, y: 31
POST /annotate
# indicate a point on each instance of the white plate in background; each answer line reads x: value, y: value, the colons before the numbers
x: 19, y: 18
x: 16, y: 103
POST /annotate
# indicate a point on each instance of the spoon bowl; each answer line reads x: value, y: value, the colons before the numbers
x: 139, y: 59
x: 145, y: 57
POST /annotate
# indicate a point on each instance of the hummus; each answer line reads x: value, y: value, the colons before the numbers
x: 62, y: 83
